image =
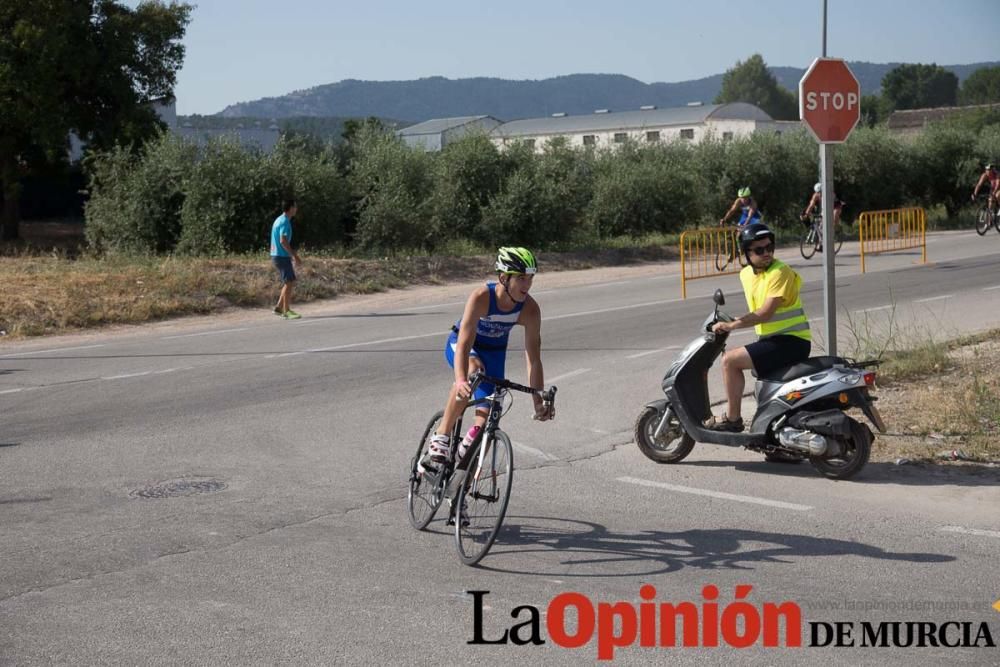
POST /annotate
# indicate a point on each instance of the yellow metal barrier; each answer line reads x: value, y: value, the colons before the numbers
x: 709, y: 252
x: 895, y: 229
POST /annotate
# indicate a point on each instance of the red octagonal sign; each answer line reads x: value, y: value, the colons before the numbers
x: 829, y: 100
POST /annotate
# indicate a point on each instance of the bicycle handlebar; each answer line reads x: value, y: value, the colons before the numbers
x: 548, y: 395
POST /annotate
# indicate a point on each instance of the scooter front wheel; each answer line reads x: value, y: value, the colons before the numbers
x: 673, y: 445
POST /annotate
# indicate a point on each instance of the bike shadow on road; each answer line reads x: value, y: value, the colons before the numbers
x: 591, y: 550
x: 911, y: 474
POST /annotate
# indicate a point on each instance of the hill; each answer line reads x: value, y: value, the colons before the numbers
x: 438, y: 97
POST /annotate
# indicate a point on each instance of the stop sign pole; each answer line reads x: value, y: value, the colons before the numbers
x: 830, y: 106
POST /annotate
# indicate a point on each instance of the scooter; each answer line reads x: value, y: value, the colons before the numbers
x: 800, y: 409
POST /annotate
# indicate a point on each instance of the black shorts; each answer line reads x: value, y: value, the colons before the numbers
x: 774, y: 352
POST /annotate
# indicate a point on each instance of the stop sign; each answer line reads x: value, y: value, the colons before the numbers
x: 829, y: 100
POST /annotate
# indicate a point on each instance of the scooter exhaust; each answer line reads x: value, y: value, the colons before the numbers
x: 806, y: 442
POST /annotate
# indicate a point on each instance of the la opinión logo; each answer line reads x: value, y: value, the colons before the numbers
x: 738, y: 623
x: 573, y: 620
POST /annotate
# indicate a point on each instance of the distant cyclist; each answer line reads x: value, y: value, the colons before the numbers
x: 816, y: 203
x: 745, y: 203
x: 991, y: 175
x: 478, y: 341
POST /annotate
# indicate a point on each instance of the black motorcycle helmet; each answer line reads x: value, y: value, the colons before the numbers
x: 754, y: 232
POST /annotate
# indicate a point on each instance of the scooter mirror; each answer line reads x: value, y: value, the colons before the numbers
x: 718, y: 297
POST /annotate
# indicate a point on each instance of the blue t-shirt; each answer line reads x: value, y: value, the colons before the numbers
x: 282, y: 227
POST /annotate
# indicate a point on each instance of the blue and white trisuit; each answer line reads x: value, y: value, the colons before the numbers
x: 490, y: 345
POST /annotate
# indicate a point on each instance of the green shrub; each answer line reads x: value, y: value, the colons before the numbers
x: 466, y: 174
x: 232, y: 198
x: 391, y: 183
x: 135, y: 200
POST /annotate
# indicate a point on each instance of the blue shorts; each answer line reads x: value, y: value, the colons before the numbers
x: 284, y: 266
x: 494, y: 362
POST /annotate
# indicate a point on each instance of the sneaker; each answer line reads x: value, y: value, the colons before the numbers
x: 439, y: 449
x: 724, y: 424
x: 291, y: 315
x: 277, y: 311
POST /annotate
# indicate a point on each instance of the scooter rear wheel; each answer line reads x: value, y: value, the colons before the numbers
x: 853, y: 458
x: 673, y: 445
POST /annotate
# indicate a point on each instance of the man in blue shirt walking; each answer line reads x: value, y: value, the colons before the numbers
x: 282, y: 256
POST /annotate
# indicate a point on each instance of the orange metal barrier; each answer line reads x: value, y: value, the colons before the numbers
x: 895, y: 229
x: 709, y: 252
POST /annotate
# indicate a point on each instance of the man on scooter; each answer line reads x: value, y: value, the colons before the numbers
x: 772, y: 292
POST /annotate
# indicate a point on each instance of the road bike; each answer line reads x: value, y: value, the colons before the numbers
x: 477, y: 486
x: 728, y: 251
x: 812, y: 238
x: 986, y: 217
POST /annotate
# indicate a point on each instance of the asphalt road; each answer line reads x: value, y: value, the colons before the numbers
x: 294, y: 438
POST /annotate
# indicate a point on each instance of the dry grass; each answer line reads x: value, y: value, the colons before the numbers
x: 956, y: 407
x: 52, y: 293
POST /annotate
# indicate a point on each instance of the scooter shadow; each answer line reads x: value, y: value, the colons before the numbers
x: 591, y: 550
x: 917, y: 474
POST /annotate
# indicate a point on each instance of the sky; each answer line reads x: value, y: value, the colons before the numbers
x: 241, y: 50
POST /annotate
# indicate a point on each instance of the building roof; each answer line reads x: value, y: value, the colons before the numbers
x: 438, y: 125
x: 627, y: 120
x: 920, y: 117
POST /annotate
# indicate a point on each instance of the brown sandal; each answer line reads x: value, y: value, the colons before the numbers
x: 724, y: 424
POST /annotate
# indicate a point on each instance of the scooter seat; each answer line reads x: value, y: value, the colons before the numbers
x: 807, y: 367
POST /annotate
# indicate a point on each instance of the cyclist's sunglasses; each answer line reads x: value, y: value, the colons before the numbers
x: 763, y: 249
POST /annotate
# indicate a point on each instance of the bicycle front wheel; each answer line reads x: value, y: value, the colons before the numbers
x: 838, y: 240
x: 722, y: 260
x: 426, y: 487
x: 807, y: 246
x: 983, y: 221
x: 482, y: 501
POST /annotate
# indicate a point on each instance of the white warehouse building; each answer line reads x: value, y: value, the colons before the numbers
x: 648, y: 124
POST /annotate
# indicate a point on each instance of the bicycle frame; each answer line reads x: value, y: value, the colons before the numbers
x: 495, y: 402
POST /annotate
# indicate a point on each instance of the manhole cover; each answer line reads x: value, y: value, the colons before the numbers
x: 173, y: 488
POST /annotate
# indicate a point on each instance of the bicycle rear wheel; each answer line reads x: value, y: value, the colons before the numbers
x: 983, y: 221
x: 426, y: 488
x: 807, y: 246
x: 483, y: 498
x: 838, y: 239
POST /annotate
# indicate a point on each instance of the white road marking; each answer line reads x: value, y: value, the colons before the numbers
x: 716, y: 494
x: 171, y: 370
x: 876, y: 308
x: 126, y: 375
x: 12, y: 391
x: 987, y: 289
x: 56, y: 349
x: 534, y: 452
x: 934, y: 298
x: 205, y: 333
x: 647, y: 352
x: 970, y: 531
x: 578, y: 371
x: 371, y: 342
x: 435, y: 305
x: 612, y: 309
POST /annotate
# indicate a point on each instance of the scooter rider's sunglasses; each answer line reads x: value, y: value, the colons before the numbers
x: 763, y: 249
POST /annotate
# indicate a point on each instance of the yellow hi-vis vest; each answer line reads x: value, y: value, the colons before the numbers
x: 778, y: 280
